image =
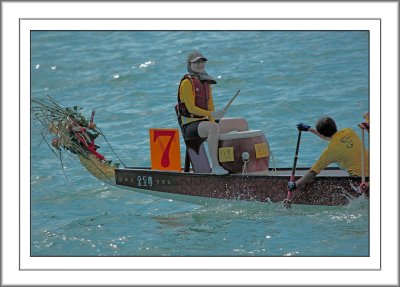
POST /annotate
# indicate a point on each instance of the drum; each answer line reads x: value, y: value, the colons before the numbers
x: 246, y: 151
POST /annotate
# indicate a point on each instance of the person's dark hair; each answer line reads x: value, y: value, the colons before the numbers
x: 326, y: 127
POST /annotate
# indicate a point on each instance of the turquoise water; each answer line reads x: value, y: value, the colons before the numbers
x: 131, y: 78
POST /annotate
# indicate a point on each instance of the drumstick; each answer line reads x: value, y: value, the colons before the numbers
x: 230, y: 102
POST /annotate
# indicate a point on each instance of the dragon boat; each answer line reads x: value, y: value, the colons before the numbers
x: 244, y: 154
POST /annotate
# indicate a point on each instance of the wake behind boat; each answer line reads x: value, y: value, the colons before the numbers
x: 250, y: 180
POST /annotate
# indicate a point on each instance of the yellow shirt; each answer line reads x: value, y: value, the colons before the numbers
x: 344, y: 149
x: 187, y: 96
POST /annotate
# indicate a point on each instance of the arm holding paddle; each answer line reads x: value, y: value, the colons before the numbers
x: 344, y: 149
x: 310, y: 175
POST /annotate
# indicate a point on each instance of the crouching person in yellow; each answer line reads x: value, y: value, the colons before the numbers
x: 344, y: 149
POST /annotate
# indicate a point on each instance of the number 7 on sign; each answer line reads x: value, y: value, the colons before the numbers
x: 165, y: 149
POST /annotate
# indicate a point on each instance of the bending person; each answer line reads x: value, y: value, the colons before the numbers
x: 344, y: 149
x: 198, y: 117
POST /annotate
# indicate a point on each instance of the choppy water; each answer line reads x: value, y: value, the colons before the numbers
x: 131, y: 79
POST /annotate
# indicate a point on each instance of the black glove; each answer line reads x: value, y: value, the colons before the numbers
x: 364, y: 126
x: 303, y: 127
x: 291, y: 185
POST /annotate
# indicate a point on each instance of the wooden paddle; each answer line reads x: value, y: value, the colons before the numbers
x: 230, y: 102
x: 288, y: 201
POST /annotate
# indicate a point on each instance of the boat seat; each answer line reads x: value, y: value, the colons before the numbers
x: 195, y: 154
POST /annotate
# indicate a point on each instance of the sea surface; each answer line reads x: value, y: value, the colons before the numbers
x: 131, y: 78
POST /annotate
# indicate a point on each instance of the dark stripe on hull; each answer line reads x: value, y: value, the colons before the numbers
x: 325, y: 190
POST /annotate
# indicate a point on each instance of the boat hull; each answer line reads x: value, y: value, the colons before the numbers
x: 331, y: 188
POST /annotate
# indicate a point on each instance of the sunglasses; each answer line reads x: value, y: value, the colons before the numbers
x: 199, y: 61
